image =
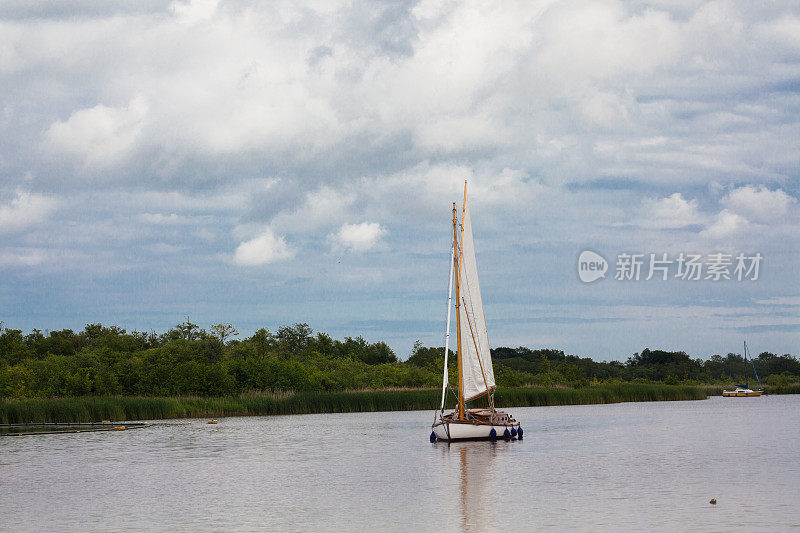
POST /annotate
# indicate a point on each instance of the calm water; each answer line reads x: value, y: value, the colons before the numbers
x: 629, y: 466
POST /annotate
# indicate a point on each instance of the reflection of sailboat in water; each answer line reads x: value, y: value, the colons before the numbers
x: 477, y: 503
x: 475, y: 373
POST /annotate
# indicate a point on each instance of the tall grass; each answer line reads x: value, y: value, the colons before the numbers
x: 788, y: 388
x: 97, y: 408
x: 624, y: 392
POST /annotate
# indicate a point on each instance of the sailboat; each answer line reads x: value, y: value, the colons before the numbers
x: 475, y: 372
x: 743, y: 390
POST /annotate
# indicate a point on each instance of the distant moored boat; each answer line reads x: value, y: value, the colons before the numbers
x: 743, y: 390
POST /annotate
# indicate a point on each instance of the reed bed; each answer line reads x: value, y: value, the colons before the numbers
x: 97, y: 408
x: 624, y: 392
x: 792, y: 388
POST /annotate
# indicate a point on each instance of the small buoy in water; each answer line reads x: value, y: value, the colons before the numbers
x: 433, y: 436
x: 120, y: 428
x: 513, y: 432
x: 506, y: 434
x: 713, y: 501
x: 519, y: 433
x: 214, y: 421
x: 493, y: 433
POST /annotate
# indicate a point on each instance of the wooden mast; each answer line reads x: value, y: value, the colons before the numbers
x: 458, y: 314
x: 458, y: 322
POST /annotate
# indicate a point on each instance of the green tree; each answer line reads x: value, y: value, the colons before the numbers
x: 223, y: 331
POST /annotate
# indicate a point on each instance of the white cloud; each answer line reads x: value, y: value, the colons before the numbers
x: 475, y: 82
x: 671, y: 212
x: 783, y: 33
x: 22, y: 257
x: 726, y: 224
x: 601, y: 39
x: 262, y: 249
x: 226, y: 197
x: 100, y: 136
x: 163, y: 248
x: 159, y: 218
x: 193, y: 11
x: 780, y: 300
x: 758, y: 204
x: 605, y: 110
x: 321, y: 207
x: 25, y: 211
x: 359, y: 237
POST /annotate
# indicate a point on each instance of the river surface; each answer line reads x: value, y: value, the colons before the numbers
x: 630, y: 466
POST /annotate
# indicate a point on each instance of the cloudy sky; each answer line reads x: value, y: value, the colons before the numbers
x: 266, y: 163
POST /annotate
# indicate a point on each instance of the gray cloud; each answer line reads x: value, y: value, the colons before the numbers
x: 23, y: 10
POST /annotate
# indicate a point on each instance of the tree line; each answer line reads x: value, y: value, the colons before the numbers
x: 188, y: 360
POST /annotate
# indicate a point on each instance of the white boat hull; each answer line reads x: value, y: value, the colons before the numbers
x: 449, y: 431
x: 741, y: 392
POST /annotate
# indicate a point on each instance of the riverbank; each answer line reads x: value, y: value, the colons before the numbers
x: 97, y: 408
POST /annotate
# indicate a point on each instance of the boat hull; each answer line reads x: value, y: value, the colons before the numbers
x: 455, y: 430
x: 741, y: 394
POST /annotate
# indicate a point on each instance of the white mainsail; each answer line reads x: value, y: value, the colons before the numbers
x: 476, y: 360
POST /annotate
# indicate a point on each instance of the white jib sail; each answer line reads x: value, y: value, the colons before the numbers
x: 447, y: 328
x: 476, y: 359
